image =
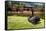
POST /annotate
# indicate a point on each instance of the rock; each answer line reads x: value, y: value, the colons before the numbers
x: 34, y: 19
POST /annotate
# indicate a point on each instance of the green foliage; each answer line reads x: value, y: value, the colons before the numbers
x: 18, y: 5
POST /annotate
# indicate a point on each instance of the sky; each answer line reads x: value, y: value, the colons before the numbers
x: 30, y: 4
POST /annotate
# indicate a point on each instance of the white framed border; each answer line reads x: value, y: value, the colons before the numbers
x: 2, y: 15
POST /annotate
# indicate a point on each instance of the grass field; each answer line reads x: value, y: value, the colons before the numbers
x: 20, y: 22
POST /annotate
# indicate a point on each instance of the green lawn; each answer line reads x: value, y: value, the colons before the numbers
x: 20, y: 22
